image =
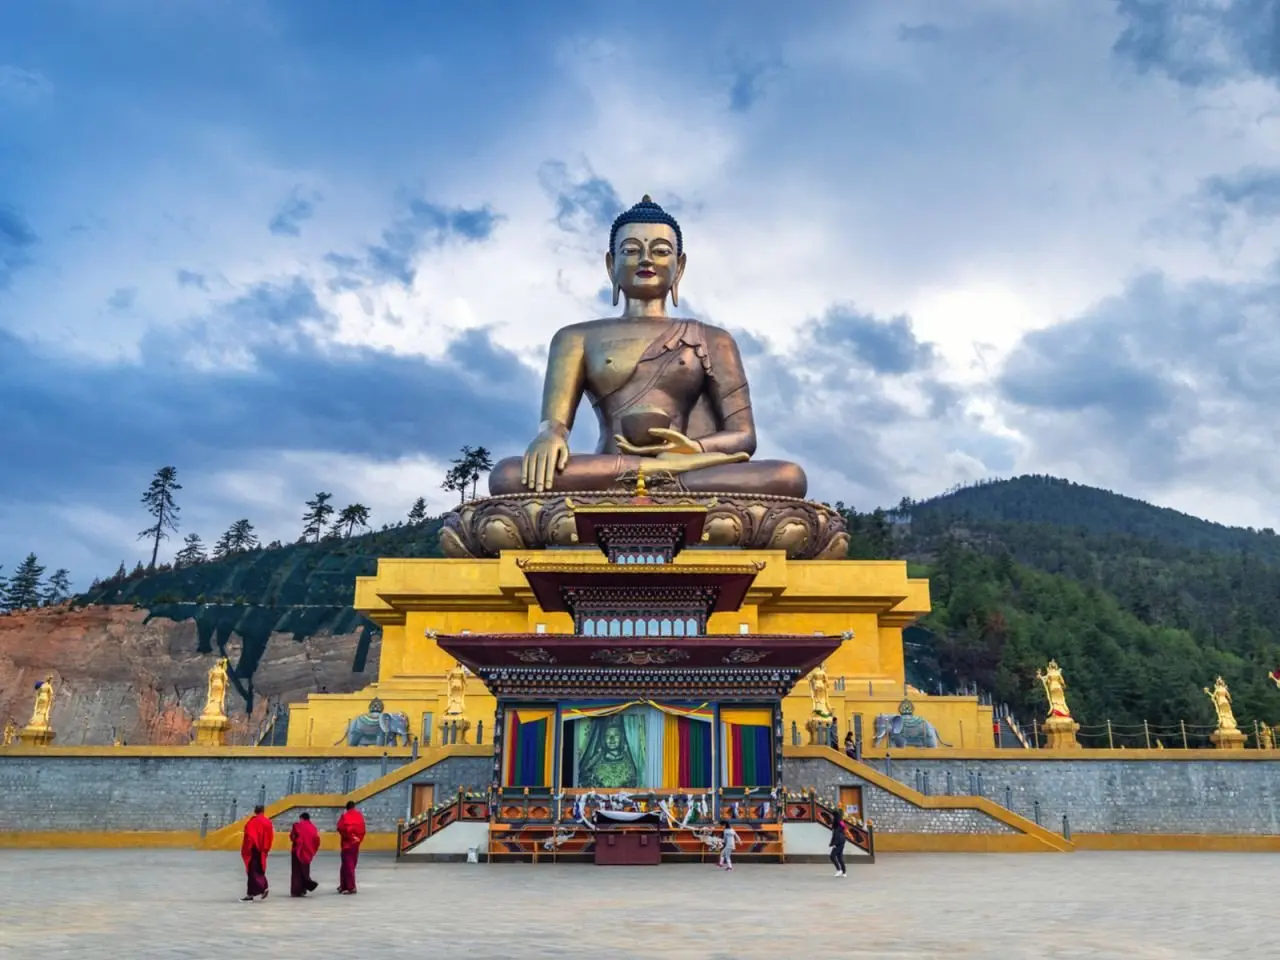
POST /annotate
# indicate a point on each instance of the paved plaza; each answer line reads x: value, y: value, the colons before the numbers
x: 118, y: 905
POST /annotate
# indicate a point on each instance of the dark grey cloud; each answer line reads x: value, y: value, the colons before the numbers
x: 1255, y: 191
x: 294, y: 394
x: 421, y: 226
x: 886, y: 346
x: 1201, y: 42
x: 585, y: 203
x: 299, y: 207
x: 830, y: 402
x: 16, y: 242
x: 189, y: 278
x: 920, y: 33
x: 1165, y: 381
x: 122, y: 298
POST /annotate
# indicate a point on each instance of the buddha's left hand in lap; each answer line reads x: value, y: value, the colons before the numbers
x: 677, y: 453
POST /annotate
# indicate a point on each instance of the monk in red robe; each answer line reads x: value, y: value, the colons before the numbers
x: 259, y: 834
x: 350, y: 835
x: 305, y: 839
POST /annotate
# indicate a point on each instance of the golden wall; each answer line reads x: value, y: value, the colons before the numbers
x: 874, y: 599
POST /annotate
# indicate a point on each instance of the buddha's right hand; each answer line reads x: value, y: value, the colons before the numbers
x: 548, y: 454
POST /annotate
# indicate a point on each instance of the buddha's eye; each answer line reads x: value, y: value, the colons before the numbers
x: 630, y: 249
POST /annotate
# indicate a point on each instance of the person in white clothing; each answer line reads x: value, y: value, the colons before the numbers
x: 730, y: 842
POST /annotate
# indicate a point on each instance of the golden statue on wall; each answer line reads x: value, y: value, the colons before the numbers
x: 10, y: 733
x: 39, y: 731
x: 216, y: 698
x: 1266, y: 737
x: 1221, y: 698
x: 211, y: 727
x: 1055, y: 690
x: 818, y: 692
x: 457, y: 691
x: 1227, y: 736
x: 1059, y: 727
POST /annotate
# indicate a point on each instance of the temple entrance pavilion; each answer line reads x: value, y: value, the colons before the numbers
x: 631, y: 752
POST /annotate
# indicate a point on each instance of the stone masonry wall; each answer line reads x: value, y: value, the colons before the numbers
x: 889, y: 813
x: 174, y: 793
x: 1111, y: 796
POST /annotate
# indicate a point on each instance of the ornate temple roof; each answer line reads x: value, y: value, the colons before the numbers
x: 554, y: 582
x: 554, y: 665
x: 563, y: 651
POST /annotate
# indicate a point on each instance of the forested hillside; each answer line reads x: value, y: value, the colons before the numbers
x: 1142, y: 606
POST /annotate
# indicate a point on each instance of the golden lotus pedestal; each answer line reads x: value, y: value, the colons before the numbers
x: 36, y: 736
x: 1060, y: 733
x: 819, y: 731
x: 1227, y: 739
x: 211, y: 731
x: 454, y: 729
x: 533, y: 521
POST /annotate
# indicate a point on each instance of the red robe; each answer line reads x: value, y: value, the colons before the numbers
x: 351, y: 832
x: 351, y: 829
x: 259, y: 834
x: 306, y: 840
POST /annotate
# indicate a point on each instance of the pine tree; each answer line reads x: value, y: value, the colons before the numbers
x: 418, y: 512
x: 23, y: 589
x: 356, y: 515
x: 58, y: 588
x: 138, y: 571
x: 242, y: 538
x: 159, y: 502
x: 478, y: 461
x: 457, y: 480
x: 120, y: 575
x: 317, y: 516
x: 192, y: 552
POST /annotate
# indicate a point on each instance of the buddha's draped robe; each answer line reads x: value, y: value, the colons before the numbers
x: 691, y: 372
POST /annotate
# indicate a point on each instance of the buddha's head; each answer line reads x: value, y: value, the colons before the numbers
x: 646, y: 254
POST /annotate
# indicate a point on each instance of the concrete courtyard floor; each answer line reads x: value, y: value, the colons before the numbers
x: 120, y: 905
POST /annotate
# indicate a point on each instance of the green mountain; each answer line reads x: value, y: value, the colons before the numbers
x: 1141, y: 606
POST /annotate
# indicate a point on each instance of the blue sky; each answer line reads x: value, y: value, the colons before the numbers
x: 318, y: 245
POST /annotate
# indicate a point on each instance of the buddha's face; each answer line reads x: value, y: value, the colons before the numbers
x: 612, y: 742
x: 643, y: 263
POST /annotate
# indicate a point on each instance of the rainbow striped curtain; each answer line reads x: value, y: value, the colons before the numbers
x: 528, y: 742
x: 686, y: 752
x: 747, y: 741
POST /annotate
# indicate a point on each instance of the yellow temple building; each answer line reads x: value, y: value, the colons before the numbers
x: 411, y: 600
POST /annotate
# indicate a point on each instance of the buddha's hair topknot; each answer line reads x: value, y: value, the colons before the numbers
x: 646, y: 211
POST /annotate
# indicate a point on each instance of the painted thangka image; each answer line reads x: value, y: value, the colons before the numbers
x: 611, y: 751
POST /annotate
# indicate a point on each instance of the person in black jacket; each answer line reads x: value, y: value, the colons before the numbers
x: 837, y: 841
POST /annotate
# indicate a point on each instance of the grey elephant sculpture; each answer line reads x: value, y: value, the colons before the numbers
x: 907, y: 730
x: 378, y: 729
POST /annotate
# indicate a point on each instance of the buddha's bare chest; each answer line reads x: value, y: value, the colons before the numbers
x: 613, y: 351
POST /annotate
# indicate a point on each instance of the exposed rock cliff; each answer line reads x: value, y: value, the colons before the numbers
x: 124, y: 672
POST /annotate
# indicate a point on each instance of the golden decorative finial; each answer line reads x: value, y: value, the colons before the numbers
x: 641, y: 489
x: 646, y: 199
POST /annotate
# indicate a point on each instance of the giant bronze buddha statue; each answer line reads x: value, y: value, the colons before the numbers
x: 672, y: 401
x: 670, y: 395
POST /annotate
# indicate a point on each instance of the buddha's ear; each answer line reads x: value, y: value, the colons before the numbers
x: 608, y: 266
x: 675, y: 284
